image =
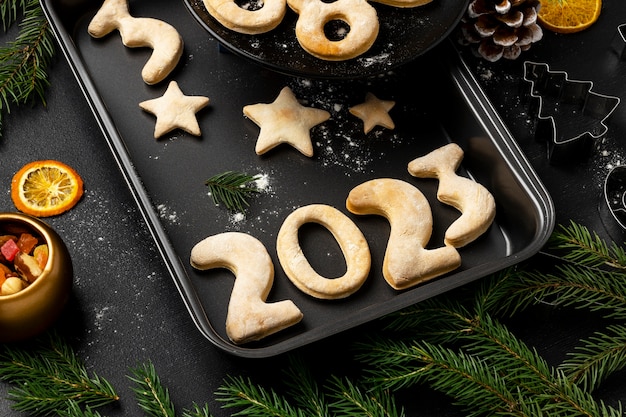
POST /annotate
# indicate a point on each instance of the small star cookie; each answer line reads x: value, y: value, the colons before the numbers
x: 175, y: 110
x: 285, y: 121
x: 374, y: 112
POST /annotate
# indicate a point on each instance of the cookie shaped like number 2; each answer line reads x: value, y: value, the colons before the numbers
x: 165, y: 41
x: 249, y: 317
x: 406, y: 262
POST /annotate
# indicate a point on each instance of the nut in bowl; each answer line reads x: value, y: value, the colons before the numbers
x: 38, y: 283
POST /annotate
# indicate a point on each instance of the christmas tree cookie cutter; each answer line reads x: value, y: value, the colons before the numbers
x: 569, y: 116
x: 619, y: 41
x: 613, y: 207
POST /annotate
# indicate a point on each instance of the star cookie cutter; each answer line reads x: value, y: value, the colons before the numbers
x: 619, y: 41
x: 570, y: 117
x: 613, y: 207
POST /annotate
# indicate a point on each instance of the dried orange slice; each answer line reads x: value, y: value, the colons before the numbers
x: 46, y: 188
x: 568, y: 16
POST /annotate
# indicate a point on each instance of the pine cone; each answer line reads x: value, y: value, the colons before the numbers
x: 501, y: 28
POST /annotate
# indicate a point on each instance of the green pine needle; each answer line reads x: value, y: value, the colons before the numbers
x: 152, y: 397
x: 586, y: 248
x: 600, y: 356
x: 253, y: 400
x: 23, y: 62
x: 232, y: 189
x: 49, y: 375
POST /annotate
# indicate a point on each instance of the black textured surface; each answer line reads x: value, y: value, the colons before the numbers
x: 126, y: 309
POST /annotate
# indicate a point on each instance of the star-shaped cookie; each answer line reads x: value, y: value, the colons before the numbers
x: 285, y: 121
x: 374, y: 112
x: 175, y: 110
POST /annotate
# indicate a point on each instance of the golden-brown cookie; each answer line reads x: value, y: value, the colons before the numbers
x: 249, y: 316
x: 285, y: 121
x: 313, y: 15
x: 406, y: 262
x: 351, y: 241
x: 247, y: 21
x: 473, y: 200
x: 374, y: 112
x: 174, y: 110
x: 164, y: 39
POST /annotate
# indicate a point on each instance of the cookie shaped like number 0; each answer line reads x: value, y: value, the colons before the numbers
x: 249, y: 317
x: 351, y: 241
x: 314, y: 15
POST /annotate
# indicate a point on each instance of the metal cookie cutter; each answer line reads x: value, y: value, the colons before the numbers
x: 570, y: 116
x: 619, y: 41
x: 613, y: 207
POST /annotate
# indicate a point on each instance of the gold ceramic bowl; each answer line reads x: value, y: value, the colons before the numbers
x: 36, y: 307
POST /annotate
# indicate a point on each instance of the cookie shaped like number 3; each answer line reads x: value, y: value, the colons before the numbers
x: 474, y: 201
x: 136, y: 32
x: 249, y: 317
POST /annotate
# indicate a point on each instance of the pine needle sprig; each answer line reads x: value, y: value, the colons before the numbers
x: 24, y: 61
x: 9, y: 11
x: 570, y: 286
x: 74, y: 410
x: 152, y: 397
x: 197, y: 411
x: 351, y: 400
x: 304, y: 388
x: 470, y: 381
x: 49, y: 375
x: 581, y: 246
x: 600, y: 356
x: 254, y: 400
x: 232, y: 189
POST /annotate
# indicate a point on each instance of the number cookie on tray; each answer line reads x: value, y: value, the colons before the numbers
x: 406, y: 262
x: 473, y: 200
x: 359, y: 15
x: 164, y: 39
x: 249, y: 316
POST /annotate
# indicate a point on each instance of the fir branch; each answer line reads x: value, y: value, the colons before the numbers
x: 570, y: 286
x: 9, y: 11
x: 152, y: 397
x: 470, y: 381
x: 586, y: 248
x: 74, y: 410
x: 49, y: 375
x: 23, y: 62
x: 232, y: 189
x: 304, y: 388
x: 253, y: 400
x: 350, y: 400
x: 492, y: 364
x: 197, y: 411
x: 598, y: 357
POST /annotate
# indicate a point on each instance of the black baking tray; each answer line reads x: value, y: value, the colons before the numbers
x: 437, y: 101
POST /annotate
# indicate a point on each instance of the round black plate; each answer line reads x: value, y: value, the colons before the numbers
x: 404, y: 35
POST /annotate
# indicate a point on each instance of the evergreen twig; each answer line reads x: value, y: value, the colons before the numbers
x: 253, y: 400
x: 46, y: 377
x: 152, y: 397
x: 23, y: 62
x: 232, y: 189
x: 599, y: 357
x: 586, y: 248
